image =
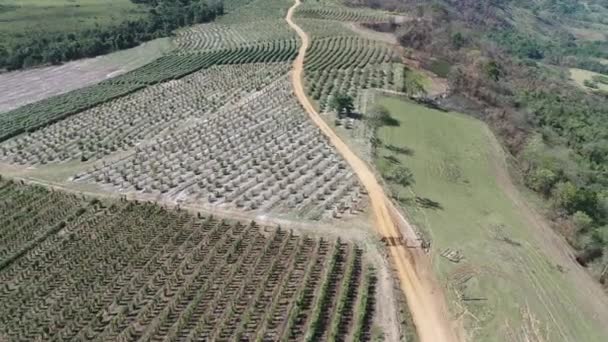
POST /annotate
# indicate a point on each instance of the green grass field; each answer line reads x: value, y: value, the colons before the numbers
x: 504, y: 288
x: 20, y: 18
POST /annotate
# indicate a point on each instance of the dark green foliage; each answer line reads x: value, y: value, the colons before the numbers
x: 520, y: 45
x: 493, y: 70
x: 458, y: 40
x: 400, y: 175
x: 440, y: 68
x: 52, y: 48
x: 343, y: 104
x: 380, y: 116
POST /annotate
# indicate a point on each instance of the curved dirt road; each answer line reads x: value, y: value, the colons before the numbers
x: 425, y: 299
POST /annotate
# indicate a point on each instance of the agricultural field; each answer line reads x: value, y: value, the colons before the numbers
x: 225, y: 36
x: 128, y: 271
x: 172, y: 66
x: 18, y: 88
x: 338, y: 12
x: 20, y: 18
x: 506, y: 279
x: 122, y: 123
x: 209, y: 125
x: 277, y: 163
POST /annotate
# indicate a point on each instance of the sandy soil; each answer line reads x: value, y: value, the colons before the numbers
x: 426, y: 301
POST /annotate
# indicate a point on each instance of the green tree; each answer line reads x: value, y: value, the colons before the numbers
x: 343, y: 104
x: 380, y: 116
x: 542, y: 180
x: 569, y: 197
x: 402, y: 176
x: 413, y: 87
x: 493, y: 70
x: 582, y: 221
x: 458, y: 40
x: 564, y: 195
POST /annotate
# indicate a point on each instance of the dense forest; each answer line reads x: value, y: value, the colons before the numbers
x: 163, y: 17
x: 509, y: 63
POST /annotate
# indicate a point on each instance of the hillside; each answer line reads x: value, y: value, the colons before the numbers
x: 535, y: 72
x: 278, y: 170
x: 45, y: 32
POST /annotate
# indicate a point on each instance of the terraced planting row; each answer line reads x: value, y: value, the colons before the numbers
x: 260, y: 153
x: 347, y: 52
x: 341, y: 13
x: 347, y: 65
x: 121, y: 124
x: 323, y: 84
x: 122, y: 271
x: 36, y: 115
x: 221, y: 36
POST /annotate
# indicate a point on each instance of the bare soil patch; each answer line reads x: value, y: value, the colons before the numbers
x: 18, y: 88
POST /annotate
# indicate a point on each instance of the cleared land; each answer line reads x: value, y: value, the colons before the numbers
x: 582, y: 77
x: 19, y: 88
x: 496, y: 264
x: 139, y: 271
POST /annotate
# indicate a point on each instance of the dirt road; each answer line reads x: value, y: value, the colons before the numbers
x: 425, y: 299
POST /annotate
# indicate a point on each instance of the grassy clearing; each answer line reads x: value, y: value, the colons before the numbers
x: 582, y: 78
x: 505, y: 288
x: 22, y: 17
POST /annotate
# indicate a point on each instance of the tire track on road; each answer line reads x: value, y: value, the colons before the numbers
x: 425, y: 299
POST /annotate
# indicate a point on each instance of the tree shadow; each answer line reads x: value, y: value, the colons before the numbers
x: 401, y: 150
x: 355, y: 115
x: 428, y: 203
x: 390, y: 121
x: 392, y: 160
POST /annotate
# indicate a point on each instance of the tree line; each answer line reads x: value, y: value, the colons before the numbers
x: 557, y: 132
x: 162, y: 18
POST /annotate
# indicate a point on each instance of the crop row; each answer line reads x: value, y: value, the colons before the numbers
x: 24, y: 219
x: 260, y: 153
x: 255, y: 11
x: 214, y: 36
x: 322, y: 85
x: 331, y: 12
x: 346, y: 52
x: 36, y: 115
x: 319, y: 28
x: 122, y: 123
x: 127, y: 271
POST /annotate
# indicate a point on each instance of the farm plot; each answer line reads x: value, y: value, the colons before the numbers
x: 121, y: 124
x: 259, y: 154
x: 19, y: 88
x: 346, y: 52
x: 322, y: 85
x: 319, y: 28
x: 349, y: 64
x: 120, y: 271
x: 221, y: 36
x: 341, y: 13
x: 36, y: 115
